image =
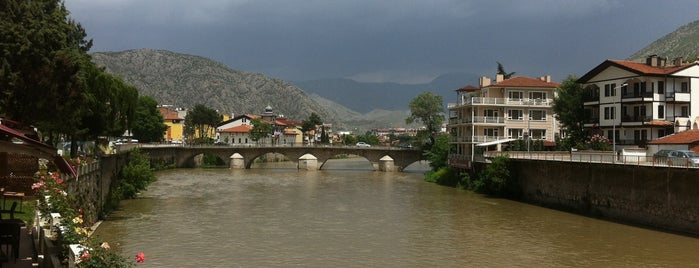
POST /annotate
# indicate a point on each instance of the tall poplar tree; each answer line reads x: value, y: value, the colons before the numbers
x: 427, y: 108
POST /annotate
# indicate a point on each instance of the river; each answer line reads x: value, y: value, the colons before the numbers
x: 274, y: 216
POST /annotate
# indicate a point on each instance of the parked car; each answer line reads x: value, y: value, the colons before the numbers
x: 661, y: 156
x: 363, y: 144
x: 683, y: 158
x: 405, y: 146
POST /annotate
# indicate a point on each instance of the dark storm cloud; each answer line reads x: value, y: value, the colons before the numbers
x: 391, y: 40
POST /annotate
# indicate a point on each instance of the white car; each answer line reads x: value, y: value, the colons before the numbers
x: 363, y: 144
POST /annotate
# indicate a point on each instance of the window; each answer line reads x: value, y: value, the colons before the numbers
x: 491, y: 113
x: 661, y: 133
x: 515, y: 133
x: 538, y: 134
x: 609, y: 112
x: 661, y: 111
x: 684, y: 87
x: 490, y: 132
x: 609, y: 90
x: 515, y: 114
x: 537, y: 95
x: 537, y: 115
x: 515, y: 95
x: 684, y: 111
x: 661, y: 87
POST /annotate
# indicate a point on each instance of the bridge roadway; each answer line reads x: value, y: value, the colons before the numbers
x: 183, y: 156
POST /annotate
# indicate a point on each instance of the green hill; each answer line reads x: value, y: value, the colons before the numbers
x: 683, y: 42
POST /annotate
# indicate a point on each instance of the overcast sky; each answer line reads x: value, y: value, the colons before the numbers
x: 387, y: 40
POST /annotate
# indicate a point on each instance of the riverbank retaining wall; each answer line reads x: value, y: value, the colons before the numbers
x: 658, y: 197
x: 92, y: 186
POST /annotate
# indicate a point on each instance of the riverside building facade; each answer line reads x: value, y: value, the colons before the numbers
x: 634, y: 102
x: 498, y: 112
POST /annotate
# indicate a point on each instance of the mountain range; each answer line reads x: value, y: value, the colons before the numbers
x: 186, y: 80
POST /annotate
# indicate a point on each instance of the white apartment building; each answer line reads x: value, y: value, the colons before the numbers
x: 634, y: 102
x: 501, y: 111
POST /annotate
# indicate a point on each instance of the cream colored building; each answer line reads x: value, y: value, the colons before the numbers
x: 500, y: 111
x: 632, y: 103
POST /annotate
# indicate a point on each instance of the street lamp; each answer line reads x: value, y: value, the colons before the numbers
x: 614, y: 123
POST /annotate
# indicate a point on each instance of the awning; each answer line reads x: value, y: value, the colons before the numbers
x: 495, y: 142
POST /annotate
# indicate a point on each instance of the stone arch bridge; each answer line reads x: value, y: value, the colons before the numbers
x: 183, y: 156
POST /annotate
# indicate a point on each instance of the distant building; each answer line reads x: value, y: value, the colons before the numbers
x: 499, y: 112
x: 634, y: 102
x: 236, y: 130
x: 174, y: 119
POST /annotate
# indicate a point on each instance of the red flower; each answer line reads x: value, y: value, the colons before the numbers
x: 140, y: 257
x: 85, y: 256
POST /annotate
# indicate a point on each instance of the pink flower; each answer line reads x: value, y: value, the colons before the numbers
x: 85, y: 256
x: 140, y: 257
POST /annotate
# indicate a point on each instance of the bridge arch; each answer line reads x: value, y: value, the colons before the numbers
x: 183, y: 156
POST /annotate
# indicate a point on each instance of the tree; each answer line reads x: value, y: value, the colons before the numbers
x: 41, y: 53
x: 439, y: 152
x: 428, y: 109
x: 569, y: 110
x: 260, y: 129
x: 501, y: 70
x: 148, y: 122
x: 324, y: 138
x: 311, y: 123
x: 201, y: 120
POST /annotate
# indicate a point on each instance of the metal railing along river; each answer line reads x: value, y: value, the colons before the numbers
x: 594, y: 157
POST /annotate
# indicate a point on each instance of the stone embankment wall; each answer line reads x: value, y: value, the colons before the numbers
x: 658, y: 197
x: 91, y: 187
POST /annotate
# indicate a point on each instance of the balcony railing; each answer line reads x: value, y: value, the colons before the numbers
x: 590, y: 97
x: 476, y: 139
x: 631, y: 95
x: 636, y: 118
x: 502, y: 101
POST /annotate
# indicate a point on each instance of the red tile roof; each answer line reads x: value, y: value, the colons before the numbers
x: 237, y: 129
x: 169, y: 114
x: 468, y: 88
x: 684, y: 137
x: 521, y: 81
x: 639, y: 68
x: 659, y: 123
x: 643, y: 68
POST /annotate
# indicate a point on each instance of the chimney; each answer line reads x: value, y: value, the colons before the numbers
x: 662, y: 62
x: 678, y: 61
x: 652, y: 60
x: 484, y: 81
x: 546, y: 78
x: 499, y: 78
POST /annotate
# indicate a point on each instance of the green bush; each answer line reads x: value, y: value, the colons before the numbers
x: 496, y: 179
x: 136, y: 175
x: 444, y: 176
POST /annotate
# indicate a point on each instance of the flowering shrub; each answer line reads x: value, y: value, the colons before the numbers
x: 50, y: 190
x: 598, y: 142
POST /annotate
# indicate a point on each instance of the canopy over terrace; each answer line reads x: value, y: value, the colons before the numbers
x: 13, y: 140
x: 495, y: 142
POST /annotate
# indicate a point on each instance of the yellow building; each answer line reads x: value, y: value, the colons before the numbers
x: 174, y: 122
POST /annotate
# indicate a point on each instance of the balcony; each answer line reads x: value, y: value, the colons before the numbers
x: 502, y: 102
x: 476, y: 139
x: 591, y: 97
x: 677, y: 96
x: 631, y: 95
x: 636, y: 118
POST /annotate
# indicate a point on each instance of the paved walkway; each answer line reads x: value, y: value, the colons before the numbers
x: 26, y: 252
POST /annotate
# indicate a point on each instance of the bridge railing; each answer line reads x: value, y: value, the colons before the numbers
x: 251, y: 145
